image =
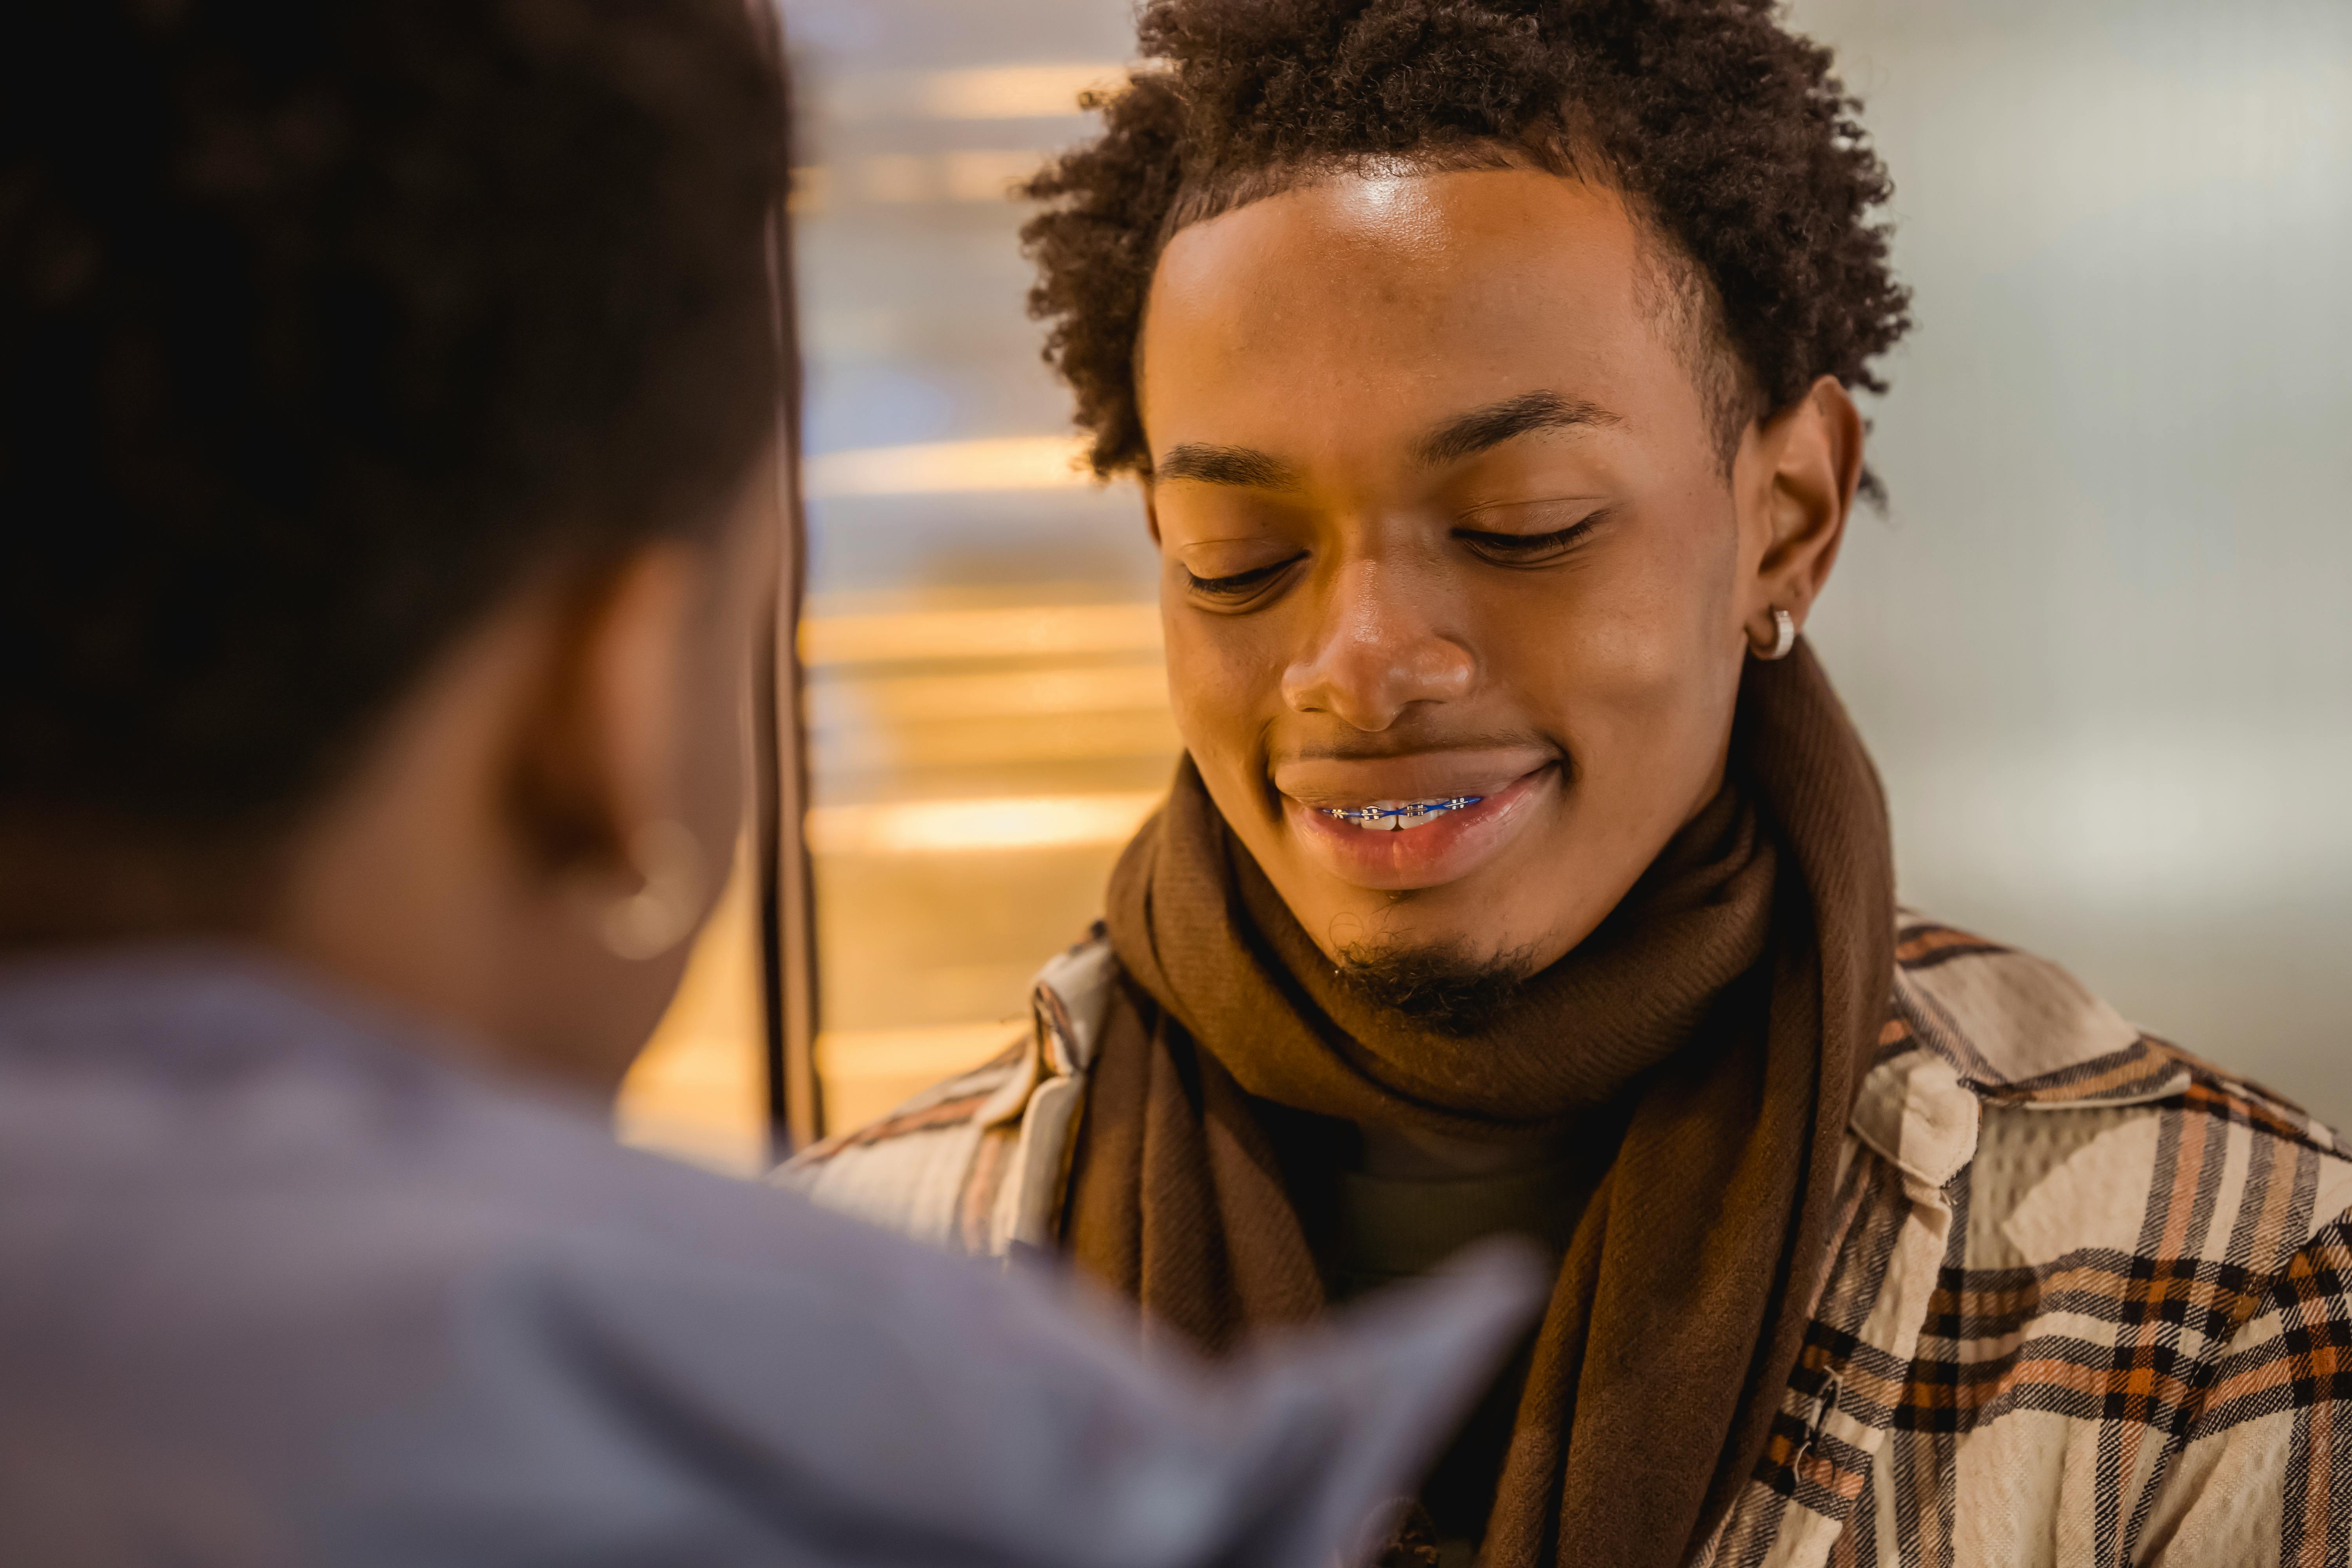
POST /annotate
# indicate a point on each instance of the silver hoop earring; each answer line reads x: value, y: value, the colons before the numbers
x: 665, y: 910
x: 1784, y: 636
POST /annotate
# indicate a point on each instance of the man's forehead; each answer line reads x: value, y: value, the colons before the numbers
x: 1492, y: 265
x: 1407, y: 302
x: 1441, y: 245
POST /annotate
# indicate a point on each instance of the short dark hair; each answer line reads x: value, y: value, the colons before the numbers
x: 1728, y: 135
x: 324, y: 325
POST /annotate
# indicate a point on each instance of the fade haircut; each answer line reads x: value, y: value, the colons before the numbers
x: 1727, y: 135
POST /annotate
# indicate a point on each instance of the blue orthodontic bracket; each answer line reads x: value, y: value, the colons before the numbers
x: 1371, y: 813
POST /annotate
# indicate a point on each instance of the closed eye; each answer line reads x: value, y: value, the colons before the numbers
x: 1529, y: 549
x: 1241, y: 584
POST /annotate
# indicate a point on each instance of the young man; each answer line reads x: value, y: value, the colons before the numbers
x: 388, y: 397
x: 1487, y: 366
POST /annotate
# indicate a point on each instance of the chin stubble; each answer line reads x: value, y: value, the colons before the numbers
x: 1445, y: 987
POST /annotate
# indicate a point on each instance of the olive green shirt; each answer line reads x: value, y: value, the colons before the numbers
x: 1383, y: 1229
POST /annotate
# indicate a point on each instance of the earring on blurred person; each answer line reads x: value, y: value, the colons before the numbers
x: 660, y: 914
x: 1784, y: 636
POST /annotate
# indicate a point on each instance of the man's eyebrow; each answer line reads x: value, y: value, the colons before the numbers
x: 1481, y: 428
x: 1224, y: 466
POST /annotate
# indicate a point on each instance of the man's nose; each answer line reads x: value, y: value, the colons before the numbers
x: 1377, y: 648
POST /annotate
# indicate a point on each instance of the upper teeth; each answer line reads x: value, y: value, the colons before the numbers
x: 1395, y: 818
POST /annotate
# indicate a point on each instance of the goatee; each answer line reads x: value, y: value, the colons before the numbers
x: 1446, y: 988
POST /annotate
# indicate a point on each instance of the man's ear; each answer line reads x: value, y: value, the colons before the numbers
x: 1805, y: 463
x: 593, y: 767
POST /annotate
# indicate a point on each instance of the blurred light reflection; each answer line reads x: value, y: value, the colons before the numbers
x: 1008, y: 822
x: 950, y: 468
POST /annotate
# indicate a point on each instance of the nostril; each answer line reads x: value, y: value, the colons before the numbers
x: 1369, y: 680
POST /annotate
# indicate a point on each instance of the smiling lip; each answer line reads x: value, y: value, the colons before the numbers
x: 1437, y: 848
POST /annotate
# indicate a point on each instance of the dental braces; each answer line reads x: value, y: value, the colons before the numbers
x: 1365, y: 815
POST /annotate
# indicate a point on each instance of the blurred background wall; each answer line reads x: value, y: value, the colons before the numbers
x: 2101, y: 644
x: 2098, y: 642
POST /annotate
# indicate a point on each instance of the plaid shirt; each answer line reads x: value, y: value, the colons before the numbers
x: 2091, y: 1301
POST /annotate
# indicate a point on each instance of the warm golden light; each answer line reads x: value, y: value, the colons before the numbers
x: 916, y: 698
x: 867, y: 1072
x: 1002, y: 822
x: 1011, y: 93
x: 966, y: 174
x: 950, y: 468
x: 1012, y: 631
x: 698, y: 1091
x: 1006, y: 741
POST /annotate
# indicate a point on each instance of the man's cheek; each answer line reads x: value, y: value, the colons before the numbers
x: 1614, y: 670
x: 1213, y: 688
x: 1222, y: 744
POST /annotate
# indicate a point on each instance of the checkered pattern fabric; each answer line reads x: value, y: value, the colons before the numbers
x: 2091, y: 1301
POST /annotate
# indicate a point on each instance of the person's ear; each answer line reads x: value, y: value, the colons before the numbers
x: 600, y: 807
x: 1801, y: 468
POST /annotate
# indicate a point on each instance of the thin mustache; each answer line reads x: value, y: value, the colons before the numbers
x: 1359, y: 751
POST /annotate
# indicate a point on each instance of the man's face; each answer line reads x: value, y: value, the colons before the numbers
x: 1444, y: 517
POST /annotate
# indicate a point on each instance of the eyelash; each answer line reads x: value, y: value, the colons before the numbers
x: 1239, y: 583
x: 1529, y: 549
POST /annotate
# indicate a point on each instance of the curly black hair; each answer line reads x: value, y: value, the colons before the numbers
x: 321, y: 326
x: 1726, y: 133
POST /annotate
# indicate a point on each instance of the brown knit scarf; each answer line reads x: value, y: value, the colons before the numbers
x: 1722, y: 1017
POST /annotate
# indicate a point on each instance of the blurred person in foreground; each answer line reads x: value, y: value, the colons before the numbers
x: 388, y: 405
x: 1486, y: 365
